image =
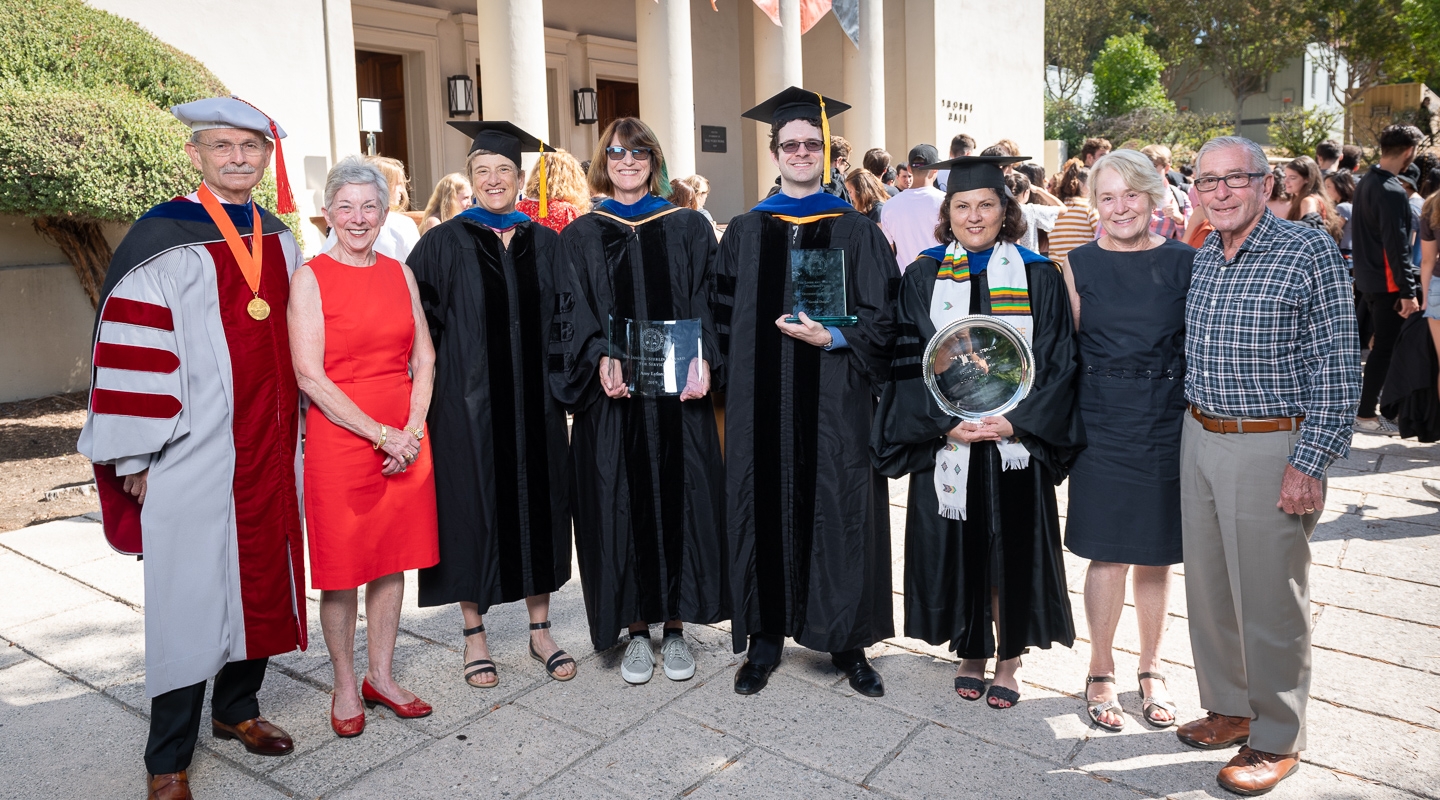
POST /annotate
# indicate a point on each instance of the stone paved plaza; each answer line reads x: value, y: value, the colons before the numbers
x: 73, y: 710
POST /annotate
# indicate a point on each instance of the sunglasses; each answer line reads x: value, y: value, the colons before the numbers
x: 810, y: 145
x: 617, y: 153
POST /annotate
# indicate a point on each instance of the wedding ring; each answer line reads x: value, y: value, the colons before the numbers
x: 1309, y: 511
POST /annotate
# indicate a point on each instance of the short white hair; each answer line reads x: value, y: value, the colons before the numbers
x: 356, y: 170
x: 1135, y: 169
x: 1258, y: 162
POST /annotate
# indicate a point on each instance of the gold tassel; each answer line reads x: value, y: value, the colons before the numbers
x: 825, y: 134
x: 544, y: 204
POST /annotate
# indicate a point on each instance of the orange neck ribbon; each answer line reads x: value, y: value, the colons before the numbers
x: 249, y: 260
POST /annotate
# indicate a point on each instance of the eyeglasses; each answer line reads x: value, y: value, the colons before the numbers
x: 482, y: 173
x: 811, y: 146
x: 1235, y: 180
x: 249, y: 148
x: 617, y: 153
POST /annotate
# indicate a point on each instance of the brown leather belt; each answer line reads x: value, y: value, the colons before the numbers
x: 1265, y: 425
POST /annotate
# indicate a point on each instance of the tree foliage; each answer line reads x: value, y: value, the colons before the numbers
x: 1244, y: 42
x: 1296, y: 131
x: 1075, y: 32
x: 1127, y: 77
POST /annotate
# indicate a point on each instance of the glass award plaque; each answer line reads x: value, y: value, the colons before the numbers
x: 655, y: 355
x: 818, y: 277
x: 978, y: 366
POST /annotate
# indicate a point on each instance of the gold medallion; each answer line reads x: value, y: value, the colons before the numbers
x: 259, y: 309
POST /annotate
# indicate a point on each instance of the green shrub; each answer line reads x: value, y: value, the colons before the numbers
x: 1067, y: 121
x: 1127, y: 77
x: 1297, y: 131
x: 1182, y: 131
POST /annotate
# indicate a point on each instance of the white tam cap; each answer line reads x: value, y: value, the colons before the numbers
x: 226, y: 112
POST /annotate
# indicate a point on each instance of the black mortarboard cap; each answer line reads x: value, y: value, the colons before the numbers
x: 500, y: 137
x: 976, y: 172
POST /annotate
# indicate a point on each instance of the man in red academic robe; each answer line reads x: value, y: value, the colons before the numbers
x: 193, y: 428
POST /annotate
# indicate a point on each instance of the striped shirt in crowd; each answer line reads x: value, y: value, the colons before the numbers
x: 1075, y: 226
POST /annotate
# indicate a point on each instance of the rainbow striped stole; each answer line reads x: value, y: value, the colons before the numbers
x: 1004, y: 300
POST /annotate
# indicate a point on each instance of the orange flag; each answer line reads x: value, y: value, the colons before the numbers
x: 810, y: 11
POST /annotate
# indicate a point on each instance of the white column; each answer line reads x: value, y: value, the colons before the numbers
x: 667, y: 82
x: 340, y: 75
x: 512, y: 64
x: 778, y: 64
x: 865, y: 82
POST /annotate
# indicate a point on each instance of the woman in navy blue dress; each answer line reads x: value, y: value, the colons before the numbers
x: 1127, y: 292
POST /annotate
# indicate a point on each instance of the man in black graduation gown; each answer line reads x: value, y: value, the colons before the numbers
x: 488, y: 282
x: 808, y: 518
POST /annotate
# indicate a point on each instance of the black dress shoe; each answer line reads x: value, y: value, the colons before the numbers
x: 863, y: 678
x: 752, y: 677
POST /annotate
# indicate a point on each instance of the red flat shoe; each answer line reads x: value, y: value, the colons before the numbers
x: 412, y: 710
x: 346, y: 728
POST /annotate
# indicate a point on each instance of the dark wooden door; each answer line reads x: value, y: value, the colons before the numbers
x: 615, y: 99
x: 382, y: 75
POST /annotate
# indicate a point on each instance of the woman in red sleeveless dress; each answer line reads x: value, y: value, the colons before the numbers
x: 363, y: 355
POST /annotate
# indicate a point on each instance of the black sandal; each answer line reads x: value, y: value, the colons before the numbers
x: 1097, y: 707
x: 976, y: 685
x: 1148, y: 703
x: 484, y: 665
x: 557, y: 659
x: 998, y: 692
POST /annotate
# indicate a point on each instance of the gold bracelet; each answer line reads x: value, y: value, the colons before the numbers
x: 418, y: 432
x: 383, y: 433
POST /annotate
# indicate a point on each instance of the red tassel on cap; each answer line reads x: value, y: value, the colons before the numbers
x: 284, y: 198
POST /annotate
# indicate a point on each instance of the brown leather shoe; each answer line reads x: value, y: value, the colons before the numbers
x: 1214, y: 731
x: 170, y: 786
x: 1253, y: 772
x: 259, y: 737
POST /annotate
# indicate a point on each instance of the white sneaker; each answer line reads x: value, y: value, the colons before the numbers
x: 1378, y: 426
x: 639, y: 662
x: 679, y: 663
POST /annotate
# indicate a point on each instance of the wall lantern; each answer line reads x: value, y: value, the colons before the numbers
x: 587, y: 107
x: 462, y: 96
x: 370, y: 122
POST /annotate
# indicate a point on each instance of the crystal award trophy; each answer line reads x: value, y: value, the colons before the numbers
x: 978, y: 366
x: 655, y: 355
x: 818, y: 277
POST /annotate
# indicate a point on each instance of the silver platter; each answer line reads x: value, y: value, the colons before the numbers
x: 978, y: 366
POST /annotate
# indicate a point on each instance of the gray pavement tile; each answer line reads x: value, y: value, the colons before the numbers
x: 843, y: 735
x: 1416, y: 510
x: 30, y: 592
x: 897, y: 549
x: 1344, y: 501
x: 1409, y: 559
x: 1360, y: 460
x: 661, y: 758
x: 571, y: 785
x: 1383, y: 750
x: 116, y: 575
x: 760, y: 773
x: 1375, y: 594
x: 600, y: 702
x: 1373, y: 686
x: 1334, y: 526
x: 504, y: 754
x: 101, y: 643
x: 900, y: 492
x: 946, y: 763
x: 214, y: 777
x: 1045, y: 723
x: 43, y: 714
x: 1394, y: 484
x: 10, y: 654
x: 338, y: 761
x: 1397, y: 641
x: 60, y: 544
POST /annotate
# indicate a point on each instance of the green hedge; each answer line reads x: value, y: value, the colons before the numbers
x: 66, y: 41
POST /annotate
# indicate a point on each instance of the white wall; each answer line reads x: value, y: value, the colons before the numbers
x: 269, y: 52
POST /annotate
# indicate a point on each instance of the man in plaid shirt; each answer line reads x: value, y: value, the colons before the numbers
x: 1273, y: 379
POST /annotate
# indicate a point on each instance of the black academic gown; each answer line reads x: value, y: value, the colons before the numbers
x: 647, y: 480
x: 808, y: 518
x: 497, y: 432
x: 1012, y: 520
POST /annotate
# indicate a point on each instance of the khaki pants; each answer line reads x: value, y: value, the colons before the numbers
x: 1247, y: 566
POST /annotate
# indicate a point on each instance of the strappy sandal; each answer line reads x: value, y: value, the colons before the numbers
x: 482, y: 665
x: 976, y: 685
x: 557, y: 659
x: 1096, y: 709
x: 1148, y: 703
x: 998, y: 692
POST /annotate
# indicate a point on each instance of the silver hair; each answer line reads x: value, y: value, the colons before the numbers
x: 355, y: 169
x: 1258, y: 162
x: 1136, y: 170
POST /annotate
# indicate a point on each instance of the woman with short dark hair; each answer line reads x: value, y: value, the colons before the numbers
x: 984, y: 574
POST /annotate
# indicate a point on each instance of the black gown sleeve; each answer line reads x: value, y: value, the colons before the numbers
x: 909, y: 425
x: 872, y: 340
x: 432, y: 262
x: 1047, y: 421
x: 704, y: 251
x: 577, y: 338
x: 722, y: 298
